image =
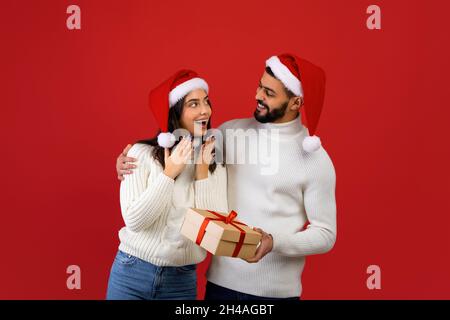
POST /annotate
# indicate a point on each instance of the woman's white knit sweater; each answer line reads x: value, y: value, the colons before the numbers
x: 153, y: 206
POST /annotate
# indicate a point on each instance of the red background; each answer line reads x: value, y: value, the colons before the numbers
x: 71, y: 101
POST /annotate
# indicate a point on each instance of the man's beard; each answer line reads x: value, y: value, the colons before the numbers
x: 271, y: 115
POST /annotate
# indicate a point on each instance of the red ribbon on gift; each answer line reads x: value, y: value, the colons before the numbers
x: 228, y: 220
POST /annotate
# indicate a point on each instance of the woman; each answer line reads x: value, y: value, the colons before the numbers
x: 154, y: 260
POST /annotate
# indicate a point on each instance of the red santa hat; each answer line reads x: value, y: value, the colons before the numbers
x: 305, y: 80
x: 167, y: 94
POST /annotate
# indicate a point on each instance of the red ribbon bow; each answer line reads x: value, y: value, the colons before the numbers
x: 228, y: 220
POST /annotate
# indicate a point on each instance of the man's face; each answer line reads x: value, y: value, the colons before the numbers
x: 272, y: 100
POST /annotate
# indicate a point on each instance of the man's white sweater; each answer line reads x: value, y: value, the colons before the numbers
x: 280, y: 200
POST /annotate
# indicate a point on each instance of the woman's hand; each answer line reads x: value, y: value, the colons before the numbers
x: 206, y: 157
x: 176, y: 162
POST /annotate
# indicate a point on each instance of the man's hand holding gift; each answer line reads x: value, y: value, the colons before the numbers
x: 264, y: 248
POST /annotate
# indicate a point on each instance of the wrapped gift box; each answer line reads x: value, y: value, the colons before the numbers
x: 220, y: 233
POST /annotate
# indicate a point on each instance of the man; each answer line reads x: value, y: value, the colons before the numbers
x: 300, y: 192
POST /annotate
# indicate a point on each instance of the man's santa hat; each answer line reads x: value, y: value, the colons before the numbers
x: 305, y: 80
x: 167, y: 94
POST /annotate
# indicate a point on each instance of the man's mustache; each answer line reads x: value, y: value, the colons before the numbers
x: 263, y: 104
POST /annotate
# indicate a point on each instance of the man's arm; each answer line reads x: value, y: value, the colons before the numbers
x: 320, y: 206
x: 124, y: 164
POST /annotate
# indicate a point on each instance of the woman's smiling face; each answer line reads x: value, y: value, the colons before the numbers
x: 196, y: 112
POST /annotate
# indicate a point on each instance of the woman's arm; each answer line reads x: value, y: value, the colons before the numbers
x: 142, y: 199
x: 210, y: 189
x: 211, y: 193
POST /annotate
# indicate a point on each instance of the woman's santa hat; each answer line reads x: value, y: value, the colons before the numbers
x: 305, y: 80
x: 167, y: 94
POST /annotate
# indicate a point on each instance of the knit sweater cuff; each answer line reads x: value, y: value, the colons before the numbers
x: 203, y: 193
x: 278, y: 240
x: 304, y: 243
x: 164, y: 183
x: 291, y: 245
x: 211, y: 193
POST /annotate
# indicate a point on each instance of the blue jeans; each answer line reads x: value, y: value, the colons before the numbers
x: 134, y: 279
x: 215, y: 292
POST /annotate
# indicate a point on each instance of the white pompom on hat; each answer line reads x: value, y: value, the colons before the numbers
x: 167, y: 94
x: 166, y: 139
x: 305, y: 80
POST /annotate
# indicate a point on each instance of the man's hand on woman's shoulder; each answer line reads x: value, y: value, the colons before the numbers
x: 124, y: 164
